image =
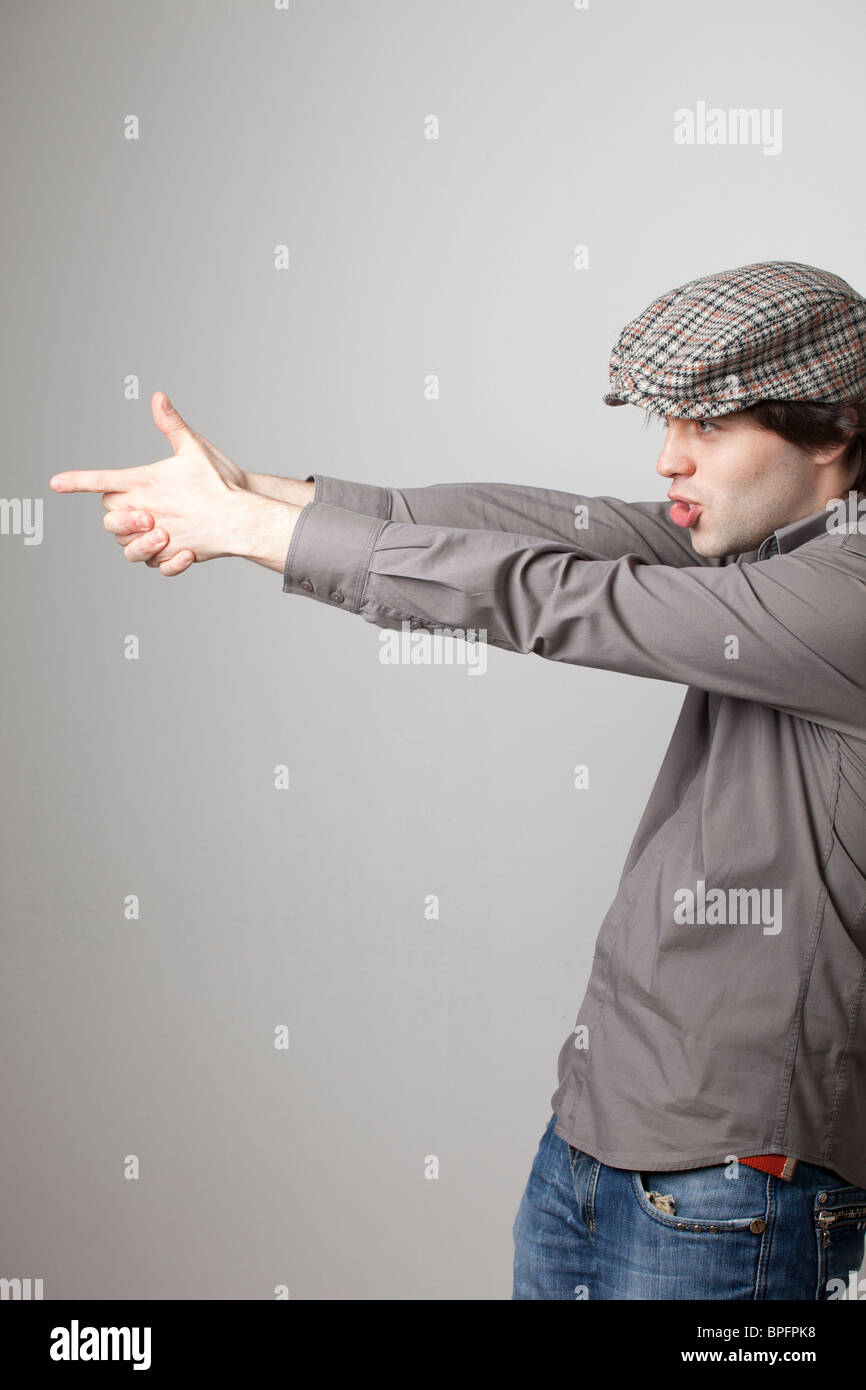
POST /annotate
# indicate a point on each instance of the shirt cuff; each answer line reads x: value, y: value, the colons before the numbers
x: 329, y: 554
x: 366, y: 498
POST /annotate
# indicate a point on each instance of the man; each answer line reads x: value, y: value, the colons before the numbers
x: 708, y: 1134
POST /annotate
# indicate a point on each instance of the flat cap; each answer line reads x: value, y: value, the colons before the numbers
x: 776, y: 330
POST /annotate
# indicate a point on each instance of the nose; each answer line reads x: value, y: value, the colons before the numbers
x: 674, y: 460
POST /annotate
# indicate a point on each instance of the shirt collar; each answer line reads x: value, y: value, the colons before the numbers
x: 786, y: 538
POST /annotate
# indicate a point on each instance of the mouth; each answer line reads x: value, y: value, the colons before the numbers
x: 684, y: 512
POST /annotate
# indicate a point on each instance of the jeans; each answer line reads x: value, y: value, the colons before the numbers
x: 588, y: 1231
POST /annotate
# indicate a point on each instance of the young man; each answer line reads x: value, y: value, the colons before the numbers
x: 708, y: 1134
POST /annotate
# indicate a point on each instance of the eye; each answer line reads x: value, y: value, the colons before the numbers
x: 704, y: 426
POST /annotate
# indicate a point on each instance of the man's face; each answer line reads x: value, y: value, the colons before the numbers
x: 746, y: 481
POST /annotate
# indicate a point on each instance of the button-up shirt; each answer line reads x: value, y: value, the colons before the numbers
x: 724, y: 1013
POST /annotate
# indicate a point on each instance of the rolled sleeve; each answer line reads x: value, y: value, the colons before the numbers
x: 329, y: 554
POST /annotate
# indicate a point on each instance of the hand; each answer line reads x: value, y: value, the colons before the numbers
x: 190, y: 497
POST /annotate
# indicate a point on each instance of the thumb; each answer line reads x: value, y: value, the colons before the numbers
x: 167, y: 419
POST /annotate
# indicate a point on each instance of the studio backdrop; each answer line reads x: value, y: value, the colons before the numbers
x: 293, y: 932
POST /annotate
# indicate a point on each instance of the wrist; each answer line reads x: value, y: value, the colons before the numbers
x: 261, y: 528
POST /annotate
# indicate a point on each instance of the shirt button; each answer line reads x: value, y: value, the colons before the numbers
x: 307, y: 584
x: 758, y: 1225
x: 697, y: 1229
x: 822, y: 1197
x: 337, y: 596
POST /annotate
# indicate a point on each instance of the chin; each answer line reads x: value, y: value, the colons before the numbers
x: 710, y: 546
x: 702, y: 544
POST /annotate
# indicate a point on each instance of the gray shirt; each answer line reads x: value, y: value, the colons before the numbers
x: 724, y: 1013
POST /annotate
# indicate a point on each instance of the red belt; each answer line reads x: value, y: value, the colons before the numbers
x: 778, y: 1164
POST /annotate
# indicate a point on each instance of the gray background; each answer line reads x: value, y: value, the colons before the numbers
x: 306, y: 907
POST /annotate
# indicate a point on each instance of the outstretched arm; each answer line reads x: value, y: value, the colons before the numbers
x: 791, y: 615
x: 598, y: 527
x: 604, y: 527
x: 778, y: 631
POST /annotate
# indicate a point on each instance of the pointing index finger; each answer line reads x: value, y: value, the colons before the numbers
x: 103, y: 480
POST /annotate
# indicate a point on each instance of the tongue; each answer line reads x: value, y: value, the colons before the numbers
x: 684, y: 514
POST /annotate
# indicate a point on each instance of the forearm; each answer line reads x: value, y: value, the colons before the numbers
x: 289, y: 490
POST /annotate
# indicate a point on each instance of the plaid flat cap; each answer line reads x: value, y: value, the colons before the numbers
x: 777, y: 330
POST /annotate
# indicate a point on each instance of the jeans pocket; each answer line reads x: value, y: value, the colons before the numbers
x: 710, y: 1201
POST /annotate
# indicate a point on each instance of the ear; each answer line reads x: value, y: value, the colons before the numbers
x: 843, y: 451
x: 846, y: 421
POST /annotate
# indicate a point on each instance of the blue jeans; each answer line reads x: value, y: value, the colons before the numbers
x: 588, y: 1231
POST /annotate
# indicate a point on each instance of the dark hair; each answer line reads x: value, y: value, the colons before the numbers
x: 817, y: 424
